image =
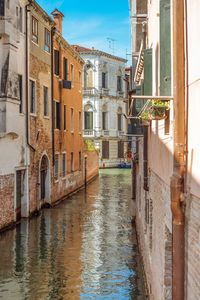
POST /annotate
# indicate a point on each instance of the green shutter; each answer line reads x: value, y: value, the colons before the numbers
x: 148, y: 72
x: 165, y: 48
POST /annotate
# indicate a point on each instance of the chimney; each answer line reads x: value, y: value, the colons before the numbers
x: 58, y: 18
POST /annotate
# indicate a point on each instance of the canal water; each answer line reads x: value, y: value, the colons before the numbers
x: 83, y: 248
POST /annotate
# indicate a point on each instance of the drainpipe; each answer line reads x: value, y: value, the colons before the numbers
x: 52, y: 98
x: 27, y: 79
x: 177, y: 179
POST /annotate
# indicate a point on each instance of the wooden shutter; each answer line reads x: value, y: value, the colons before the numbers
x: 56, y: 62
x: 105, y: 149
x: 165, y: 48
x: 65, y: 68
x: 148, y: 72
x: 20, y: 92
x: 57, y: 115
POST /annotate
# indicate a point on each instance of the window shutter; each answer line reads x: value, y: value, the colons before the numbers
x: 65, y: 68
x: 58, y: 115
x: 56, y: 62
x: 165, y: 48
x: 148, y: 72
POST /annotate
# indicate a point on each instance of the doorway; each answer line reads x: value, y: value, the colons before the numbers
x: 44, y: 178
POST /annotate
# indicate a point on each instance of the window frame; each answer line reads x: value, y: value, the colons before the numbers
x: 64, y: 164
x: 72, y: 120
x: 56, y: 63
x: 57, y: 115
x: 46, y: 44
x: 46, y: 101
x: 56, y: 175
x: 72, y: 75
x: 72, y: 161
x: 34, y: 28
x: 33, y: 104
x: 20, y: 79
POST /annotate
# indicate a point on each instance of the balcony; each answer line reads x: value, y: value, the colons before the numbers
x: 104, y: 91
x: 89, y: 133
x: 120, y: 133
x: 89, y: 92
x: 105, y: 132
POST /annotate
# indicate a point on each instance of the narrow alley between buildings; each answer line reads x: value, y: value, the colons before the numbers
x: 83, y: 248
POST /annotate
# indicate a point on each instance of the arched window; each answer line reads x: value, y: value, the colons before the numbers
x: 104, y: 117
x: 104, y: 77
x: 88, y: 76
x: 119, y: 81
x: 88, y: 117
x: 119, y: 119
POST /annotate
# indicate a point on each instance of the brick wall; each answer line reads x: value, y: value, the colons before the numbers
x: 7, y: 215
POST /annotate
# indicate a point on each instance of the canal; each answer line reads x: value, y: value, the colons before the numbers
x: 83, y: 248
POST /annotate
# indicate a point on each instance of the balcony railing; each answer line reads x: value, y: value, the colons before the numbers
x: 89, y: 132
x: 90, y: 92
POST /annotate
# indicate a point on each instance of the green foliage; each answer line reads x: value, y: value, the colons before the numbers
x: 90, y: 145
x: 145, y: 116
x: 158, y: 102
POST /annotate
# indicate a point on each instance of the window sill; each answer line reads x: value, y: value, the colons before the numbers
x: 72, y: 132
x: 33, y: 115
x: 64, y: 178
x: 46, y: 117
x: 56, y: 129
x: 56, y: 180
x: 36, y: 44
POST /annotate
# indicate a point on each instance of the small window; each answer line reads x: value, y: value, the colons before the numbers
x: 20, y: 93
x: 80, y: 82
x: 72, y: 75
x: 20, y: 19
x: 103, y: 80
x: 17, y: 11
x: 119, y: 83
x: 105, y: 149
x: 120, y: 149
x: 64, y: 112
x: 72, y: 120
x: 57, y: 115
x: 34, y: 30
x: 56, y: 167
x: 56, y: 62
x: 46, y: 101
x: 72, y: 161
x: 47, y: 40
x: 120, y: 119
x: 80, y: 127
x: 32, y: 97
x: 63, y: 164
x: 80, y: 161
x: 2, y: 8
x: 65, y: 68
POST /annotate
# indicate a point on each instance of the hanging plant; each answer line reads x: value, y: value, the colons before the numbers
x: 157, y: 111
x: 144, y: 119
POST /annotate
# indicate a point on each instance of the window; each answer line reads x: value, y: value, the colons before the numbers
x: 72, y: 75
x: 46, y: 101
x: 119, y: 83
x: 88, y: 117
x: 20, y: 93
x: 17, y: 11
x: 120, y: 149
x: 57, y: 115
x: 56, y: 167
x: 104, y: 117
x: 80, y: 127
x: 20, y: 19
x: 80, y: 82
x: 72, y: 120
x: 103, y: 80
x: 119, y: 120
x: 32, y: 97
x: 34, y: 30
x: 79, y: 160
x: 105, y: 149
x: 47, y: 40
x: 64, y: 112
x: 56, y: 62
x: 64, y: 164
x: 72, y: 161
x: 2, y: 7
x: 65, y: 68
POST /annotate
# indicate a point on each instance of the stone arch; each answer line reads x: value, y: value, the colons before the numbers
x: 44, y: 179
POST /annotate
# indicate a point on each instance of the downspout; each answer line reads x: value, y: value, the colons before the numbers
x: 145, y: 129
x: 52, y: 98
x: 177, y: 179
x: 27, y: 81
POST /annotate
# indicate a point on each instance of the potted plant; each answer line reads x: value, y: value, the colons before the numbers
x: 157, y: 111
x: 144, y: 119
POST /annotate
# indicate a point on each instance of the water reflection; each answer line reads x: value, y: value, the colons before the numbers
x: 85, y: 248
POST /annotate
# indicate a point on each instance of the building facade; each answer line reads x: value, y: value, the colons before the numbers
x: 155, y: 156
x: 103, y: 104
x: 14, y: 201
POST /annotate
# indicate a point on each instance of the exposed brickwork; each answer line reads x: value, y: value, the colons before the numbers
x: 7, y: 215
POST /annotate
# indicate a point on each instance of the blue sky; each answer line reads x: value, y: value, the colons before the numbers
x: 89, y: 23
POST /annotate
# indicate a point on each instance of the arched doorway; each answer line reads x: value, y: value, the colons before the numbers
x: 44, y: 178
